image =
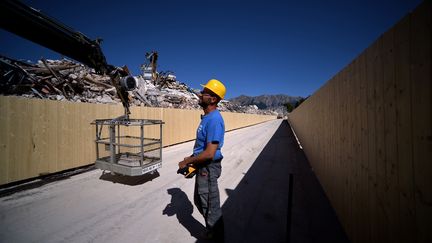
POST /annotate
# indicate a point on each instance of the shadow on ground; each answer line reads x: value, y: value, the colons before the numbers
x: 182, y: 208
x: 257, y: 209
x: 42, y: 180
x: 129, y: 180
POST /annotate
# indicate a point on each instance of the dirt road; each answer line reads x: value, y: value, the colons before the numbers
x: 97, y: 207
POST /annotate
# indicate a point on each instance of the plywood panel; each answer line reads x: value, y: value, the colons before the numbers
x: 355, y: 153
x: 362, y: 152
x: 87, y: 133
x: 40, y: 131
x: 177, y: 120
x: 371, y: 55
x: 345, y: 188
x: 332, y: 143
x: 20, y: 138
x: 391, y: 199
x: 404, y: 131
x: 51, y: 137
x: 337, y: 154
x: 380, y: 181
x: 4, y: 139
x: 421, y: 116
x: 61, y: 132
x: 75, y: 133
x: 381, y: 192
x: 327, y: 135
x: 350, y: 168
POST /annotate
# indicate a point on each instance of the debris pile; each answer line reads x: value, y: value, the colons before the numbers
x: 68, y: 80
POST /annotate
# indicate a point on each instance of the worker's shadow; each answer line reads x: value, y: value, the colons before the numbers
x: 183, y: 208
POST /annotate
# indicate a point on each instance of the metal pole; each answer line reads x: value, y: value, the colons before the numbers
x: 118, y: 135
x: 142, y: 144
x: 112, y: 142
x: 96, y: 142
x: 160, y: 146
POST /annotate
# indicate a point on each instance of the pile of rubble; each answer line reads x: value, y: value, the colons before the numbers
x: 68, y: 80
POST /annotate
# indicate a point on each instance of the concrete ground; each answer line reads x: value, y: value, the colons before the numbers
x: 95, y: 207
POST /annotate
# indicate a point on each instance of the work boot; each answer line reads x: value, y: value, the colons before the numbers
x: 211, y: 236
x: 207, y: 235
x: 219, y: 231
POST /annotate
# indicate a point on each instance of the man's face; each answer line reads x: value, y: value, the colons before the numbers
x: 206, y: 98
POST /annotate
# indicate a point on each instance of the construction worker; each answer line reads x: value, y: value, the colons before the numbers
x: 207, y: 159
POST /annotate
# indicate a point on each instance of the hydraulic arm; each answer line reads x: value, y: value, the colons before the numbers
x: 32, y: 24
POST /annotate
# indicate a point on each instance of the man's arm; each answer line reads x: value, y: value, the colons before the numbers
x: 204, y: 156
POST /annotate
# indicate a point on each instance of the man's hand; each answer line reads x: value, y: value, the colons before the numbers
x: 184, y: 163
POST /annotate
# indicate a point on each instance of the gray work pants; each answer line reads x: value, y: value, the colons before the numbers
x: 206, y: 194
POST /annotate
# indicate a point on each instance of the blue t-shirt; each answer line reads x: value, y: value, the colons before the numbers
x: 211, y: 129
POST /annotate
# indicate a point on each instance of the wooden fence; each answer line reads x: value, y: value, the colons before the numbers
x: 41, y: 136
x: 367, y: 134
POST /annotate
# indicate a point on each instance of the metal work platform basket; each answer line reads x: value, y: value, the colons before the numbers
x: 130, y: 147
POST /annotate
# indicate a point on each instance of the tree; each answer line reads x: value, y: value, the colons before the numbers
x: 300, y: 101
x: 289, y: 107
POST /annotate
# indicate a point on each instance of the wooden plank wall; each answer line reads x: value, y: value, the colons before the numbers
x: 39, y: 137
x: 368, y: 135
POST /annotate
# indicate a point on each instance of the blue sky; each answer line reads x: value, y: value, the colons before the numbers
x: 254, y: 47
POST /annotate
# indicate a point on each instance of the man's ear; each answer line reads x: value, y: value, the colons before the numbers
x: 216, y: 99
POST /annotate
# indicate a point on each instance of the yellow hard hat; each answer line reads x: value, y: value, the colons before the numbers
x: 216, y: 87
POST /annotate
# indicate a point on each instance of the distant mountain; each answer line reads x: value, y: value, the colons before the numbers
x: 271, y: 102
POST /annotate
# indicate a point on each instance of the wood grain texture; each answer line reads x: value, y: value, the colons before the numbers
x: 39, y: 137
x: 372, y: 149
